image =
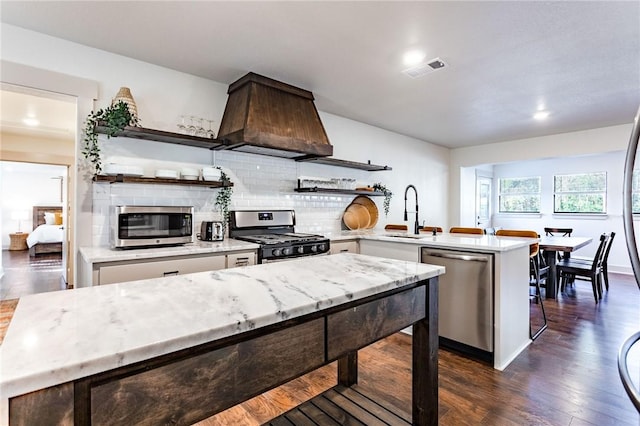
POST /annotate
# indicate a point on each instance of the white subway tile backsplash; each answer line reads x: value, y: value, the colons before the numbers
x: 260, y: 182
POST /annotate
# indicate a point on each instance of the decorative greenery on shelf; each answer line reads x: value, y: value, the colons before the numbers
x: 387, y: 196
x: 115, y: 117
x: 223, y: 198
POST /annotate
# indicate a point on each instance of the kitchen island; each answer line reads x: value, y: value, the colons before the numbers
x: 181, y: 348
x: 507, y: 305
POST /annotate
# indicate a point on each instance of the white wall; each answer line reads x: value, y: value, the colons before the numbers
x: 162, y: 95
x: 594, y: 141
x: 585, y: 225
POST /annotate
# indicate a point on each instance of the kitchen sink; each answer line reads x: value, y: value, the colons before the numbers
x: 413, y: 236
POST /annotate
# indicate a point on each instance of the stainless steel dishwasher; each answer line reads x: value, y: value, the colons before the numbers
x: 465, y: 301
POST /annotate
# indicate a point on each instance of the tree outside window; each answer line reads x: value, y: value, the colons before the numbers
x: 635, y: 192
x: 519, y: 195
x: 580, y: 193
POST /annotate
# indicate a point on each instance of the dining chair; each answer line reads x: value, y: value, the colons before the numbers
x: 569, y: 270
x: 538, y: 271
x: 392, y: 227
x: 462, y: 230
x: 605, y: 259
x: 430, y: 229
x: 558, y: 232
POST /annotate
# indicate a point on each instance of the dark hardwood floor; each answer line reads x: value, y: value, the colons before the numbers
x: 29, y: 275
x: 568, y: 376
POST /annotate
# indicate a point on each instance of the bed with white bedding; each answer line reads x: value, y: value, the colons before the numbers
x: 48, y: 232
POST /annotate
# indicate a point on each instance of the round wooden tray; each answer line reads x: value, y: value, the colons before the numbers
x: 356, y: 217
x: 371, y: 207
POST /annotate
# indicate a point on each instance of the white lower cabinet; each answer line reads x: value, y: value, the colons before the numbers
x: 343, y: 247
x: 163, y: 267
x: 241, y: 259
x: 400, y: 251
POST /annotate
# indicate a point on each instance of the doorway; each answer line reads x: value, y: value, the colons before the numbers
x: 38, y: 148
x: 483, y: 201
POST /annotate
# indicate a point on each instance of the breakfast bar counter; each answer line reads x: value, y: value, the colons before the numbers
x: 182, y: 348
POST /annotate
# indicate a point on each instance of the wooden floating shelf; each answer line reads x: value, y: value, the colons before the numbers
x: 221, y: 144
x: 168, y: 137
x: 344, y: 163
x: 148, y: 180
x: 339, y: 191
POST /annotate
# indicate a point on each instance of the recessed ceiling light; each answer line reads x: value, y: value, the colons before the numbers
x: 30, y: 121
x: 413, y: 57
x: 541, y: 115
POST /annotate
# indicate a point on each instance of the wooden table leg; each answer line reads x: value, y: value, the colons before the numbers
x: 551, y: 285
x: 425, y: 362
x: 348, y: 369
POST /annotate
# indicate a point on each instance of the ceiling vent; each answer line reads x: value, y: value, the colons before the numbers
x: 425, y: 68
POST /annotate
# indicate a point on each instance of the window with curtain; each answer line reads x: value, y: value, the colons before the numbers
x: 519, y: 195
x: 580, y: 193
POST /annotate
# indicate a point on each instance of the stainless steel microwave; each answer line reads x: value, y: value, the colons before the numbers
x: 148, y: 226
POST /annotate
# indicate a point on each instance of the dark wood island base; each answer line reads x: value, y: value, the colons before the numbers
x: 195, y: 383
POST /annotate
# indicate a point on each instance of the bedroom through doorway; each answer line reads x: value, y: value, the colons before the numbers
x: 33, y: 228
x: 38, y: 129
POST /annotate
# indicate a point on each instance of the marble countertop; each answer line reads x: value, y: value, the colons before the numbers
x: 107, y: 254
x: 443, y: 240
x: 490, y: 243
x: 60, y: 336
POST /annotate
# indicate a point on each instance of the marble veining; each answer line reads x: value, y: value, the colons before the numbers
x: 489, y: 243
x: 61, y: 336
x: 106, y: 254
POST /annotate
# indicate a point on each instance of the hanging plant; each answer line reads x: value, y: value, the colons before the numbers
x: 387, y: 196
x: 115, y: 118
x: 223, y: 198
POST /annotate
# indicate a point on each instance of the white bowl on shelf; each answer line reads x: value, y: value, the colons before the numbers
x: 211, y: 173
x: 188, y: 173
x: 166, y: 174
x: 114, y: 169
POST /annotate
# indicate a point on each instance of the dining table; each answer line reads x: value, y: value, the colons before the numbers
x: 550, y: 246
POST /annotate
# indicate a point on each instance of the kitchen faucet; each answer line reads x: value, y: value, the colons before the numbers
x: 416, y: 227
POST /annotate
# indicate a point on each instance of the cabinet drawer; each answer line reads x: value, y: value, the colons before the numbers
x: 187, y: 390
x: 357, y: 327
x: 159, y: 269
x: 344, y: 247
x: 241, y: 259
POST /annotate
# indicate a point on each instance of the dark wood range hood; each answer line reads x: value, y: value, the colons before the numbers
x: 265, y: 116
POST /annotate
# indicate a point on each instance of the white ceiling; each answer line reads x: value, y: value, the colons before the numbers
x: 579, y: 60
x: 56, y: 114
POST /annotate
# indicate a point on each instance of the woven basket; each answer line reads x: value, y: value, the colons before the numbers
x: 124, y: 95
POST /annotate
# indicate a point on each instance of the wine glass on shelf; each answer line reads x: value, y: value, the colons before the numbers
x: 200, y: 131
x: 210, y: 132
x: 191, y: 128
x: 182, y: 127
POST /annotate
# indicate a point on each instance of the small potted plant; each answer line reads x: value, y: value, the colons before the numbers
x: 115, y: 118
x: 387, y: 196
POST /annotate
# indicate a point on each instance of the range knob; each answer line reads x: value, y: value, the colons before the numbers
x: 314, y: 249
x: 287, y: 251
x: 322, y: 247
x: 277, y: 252
x: 300, y: 249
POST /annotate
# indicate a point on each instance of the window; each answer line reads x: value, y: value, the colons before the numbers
x: 635, y: 192
x: 519, y: 195
x: 580, y: 193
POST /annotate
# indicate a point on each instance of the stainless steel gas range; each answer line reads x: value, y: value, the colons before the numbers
x: 274, y: 230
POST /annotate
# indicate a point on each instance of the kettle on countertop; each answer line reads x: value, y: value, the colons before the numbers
x: 211, y: 231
